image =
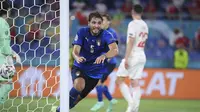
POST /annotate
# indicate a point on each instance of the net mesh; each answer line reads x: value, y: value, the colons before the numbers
x: 34, y: 27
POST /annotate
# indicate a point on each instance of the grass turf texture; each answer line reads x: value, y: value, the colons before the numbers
x: 44, y: 105
x: 28, y: 104
x: 146, y: 106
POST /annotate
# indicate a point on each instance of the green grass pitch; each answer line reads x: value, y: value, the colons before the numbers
x: 150, y: 105
x: 145, y: 106
x: 28, y: 104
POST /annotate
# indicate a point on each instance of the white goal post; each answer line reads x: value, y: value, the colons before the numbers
x: 64, y: 55
x: 40, y: 35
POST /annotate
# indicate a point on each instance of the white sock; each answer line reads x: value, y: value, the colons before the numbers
x: 125, y: 90
x: 136, y: 94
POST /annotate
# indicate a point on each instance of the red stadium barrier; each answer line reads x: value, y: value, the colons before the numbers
x: 156, y: 83
x: 168, y: 83
x: 40, y: 81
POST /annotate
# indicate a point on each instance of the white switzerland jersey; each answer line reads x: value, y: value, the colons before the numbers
x: 138, y: 30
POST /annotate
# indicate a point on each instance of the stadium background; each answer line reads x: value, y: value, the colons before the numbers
x: 35, y: 37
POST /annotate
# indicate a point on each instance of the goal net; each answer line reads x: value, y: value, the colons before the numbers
x: 34, y: 27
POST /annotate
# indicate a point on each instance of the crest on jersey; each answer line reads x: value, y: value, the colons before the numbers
x: 98, y: 42
x: 76, y: 38
x: 78, y: 73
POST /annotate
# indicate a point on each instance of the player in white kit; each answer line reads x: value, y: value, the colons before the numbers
x: 133, y: 64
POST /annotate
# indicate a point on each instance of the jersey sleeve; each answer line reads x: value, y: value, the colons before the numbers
x: 78, y: 40
x: 5, y: 48
x: 109, y: 38
x: 131, y: 31
x: 115, y: 36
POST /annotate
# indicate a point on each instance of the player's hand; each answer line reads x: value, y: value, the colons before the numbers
x: 80, y: 59
x: 100, y: 59
x: 126, y: 64
x: 17, y: 58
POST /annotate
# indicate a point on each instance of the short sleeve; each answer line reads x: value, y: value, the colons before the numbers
x: 78, y: 40
x: 109, y: 38
x: 114, y: 33
x: 4, y: 39
x: 131, y: 31
x: 115, y: 36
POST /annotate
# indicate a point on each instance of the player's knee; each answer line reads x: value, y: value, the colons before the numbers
x: 79, y: 87
x: 79, y: 84
x: 134, y: 82
x: 119, y: 81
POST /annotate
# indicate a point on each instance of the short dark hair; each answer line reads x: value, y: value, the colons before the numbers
x: 4, y: 6
x: 138, y: 8
x: 107, y: 16
x: 96, y: 15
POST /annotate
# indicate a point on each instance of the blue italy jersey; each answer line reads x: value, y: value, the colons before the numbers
x: 91, y: 48
x: 112, y: 31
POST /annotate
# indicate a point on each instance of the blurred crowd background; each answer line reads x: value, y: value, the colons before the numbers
x: 35, y: 31
x: 174, y: 29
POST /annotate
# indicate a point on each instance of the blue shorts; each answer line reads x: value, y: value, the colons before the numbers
x: 110, y: 68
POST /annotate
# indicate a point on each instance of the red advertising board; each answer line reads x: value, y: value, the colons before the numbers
x: 156, y: 83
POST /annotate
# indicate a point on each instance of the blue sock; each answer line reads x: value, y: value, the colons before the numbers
x: 73, y: 94
x: 99, y: 93
x: 107, y: 93
x: 58, y: 109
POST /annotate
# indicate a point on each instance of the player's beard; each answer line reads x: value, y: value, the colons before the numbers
x: 95, y: 31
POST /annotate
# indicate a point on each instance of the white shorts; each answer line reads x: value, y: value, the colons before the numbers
x: 134, y: 71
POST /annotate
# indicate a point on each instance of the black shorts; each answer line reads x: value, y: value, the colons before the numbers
x: 90, y: 83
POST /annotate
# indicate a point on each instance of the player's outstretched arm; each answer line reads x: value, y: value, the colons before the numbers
x: 111, y: 53
x: 75, y: 53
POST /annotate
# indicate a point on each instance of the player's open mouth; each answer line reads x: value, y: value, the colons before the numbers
x: 96, y: 31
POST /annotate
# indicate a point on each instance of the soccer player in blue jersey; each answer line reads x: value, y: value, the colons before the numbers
x: 89, y: 52
x: 101, y: 88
